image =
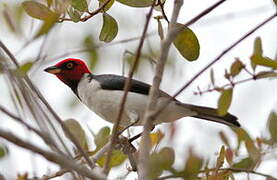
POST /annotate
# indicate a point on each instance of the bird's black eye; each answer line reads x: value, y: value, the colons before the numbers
x: 69, y: 65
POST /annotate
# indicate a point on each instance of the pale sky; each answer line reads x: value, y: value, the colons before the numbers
x: 252, y: 101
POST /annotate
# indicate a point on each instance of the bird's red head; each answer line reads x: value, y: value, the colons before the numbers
x: 69, y: 70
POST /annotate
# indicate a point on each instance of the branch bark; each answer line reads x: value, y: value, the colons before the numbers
x: 63, y: 161
x: 43, y: 100
x: 143, y: 165
x: 126, y: 89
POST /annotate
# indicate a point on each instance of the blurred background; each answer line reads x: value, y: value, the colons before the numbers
x: 252, y: 101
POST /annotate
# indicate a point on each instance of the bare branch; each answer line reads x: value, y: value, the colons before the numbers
x: 63, y: 161
x: 205, y: 12
x: 163, y: 12
x: 40, y: 96
x: 44, y: 136
x: 254, y: 77
x: 90, y: 14
x: 127, y: 87
x: 234, y: 170
x: 143, y: 165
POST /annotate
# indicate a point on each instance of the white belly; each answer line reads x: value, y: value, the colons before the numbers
x: 106, y: 104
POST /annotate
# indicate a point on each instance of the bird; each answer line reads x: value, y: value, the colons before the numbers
x: 103, y: 94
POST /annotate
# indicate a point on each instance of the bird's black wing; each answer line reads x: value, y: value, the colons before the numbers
x: 115, y: 82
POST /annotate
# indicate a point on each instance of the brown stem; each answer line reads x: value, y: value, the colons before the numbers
x: 126, y: 89
x: 53, y: 157
x: 40, y: 96
x: 144, y: 149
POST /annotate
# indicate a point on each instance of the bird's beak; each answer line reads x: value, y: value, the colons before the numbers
x: 53, y: 70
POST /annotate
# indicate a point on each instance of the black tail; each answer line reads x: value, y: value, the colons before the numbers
x: 210, y: 114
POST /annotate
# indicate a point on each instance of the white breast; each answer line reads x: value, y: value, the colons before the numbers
x: 106, y: 103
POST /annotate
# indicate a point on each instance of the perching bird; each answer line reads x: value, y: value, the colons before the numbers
x: 103, y: 93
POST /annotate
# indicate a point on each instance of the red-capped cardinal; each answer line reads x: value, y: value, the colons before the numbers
x: 103, y: 93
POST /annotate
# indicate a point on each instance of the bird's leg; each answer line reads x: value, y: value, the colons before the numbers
x: 134, y: 118
x: 127, y: 148
x: 138, y: 135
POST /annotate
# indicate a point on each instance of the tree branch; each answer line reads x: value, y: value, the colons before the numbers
x: 63, y: 161
x: 90, y: 14
x: 205, y: 12
x: 44, y: 136
x: 40, y: 96
x: 233, y: 84
x: 127, y: 87
x: 234, y: 170
x: 143, y: 165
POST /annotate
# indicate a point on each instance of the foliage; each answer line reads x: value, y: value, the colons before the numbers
x: 246, y: 155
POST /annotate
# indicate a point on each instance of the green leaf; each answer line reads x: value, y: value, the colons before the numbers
x: 161, y: 161
x: 275, y: 2
x: 80, y: 5
x: 224, y: 101
x: 266, y: 74
x: 37, y: 10
x: 263, y: 61
x: 49, y: 3
x: 25, y: 67
x: 117, y: 158
x: 252, y: 150
x: 3, y: 151
x: 46, y: 26
x: 136, y: 3
x: 109, y: 28
x: 102, y: 137
x: 246, y: 163
x: 160, y: 27
x: 187, y: 43
x: 272, y: 126
x: 155, y: 168
x: 258, y: 49
x: 236, y: 68
x: 242, y: 136
x: 257, y: 57
x: 74, y: 14
x: 192, y: 166
x: 89, y: 44
x: 229, y: 156
x: 212, y: 77
x: 107, y: 6
x: 156, y: 137
x: 224, y: 139
x: 220, y: 158
x: 168, y: 156
x: 77, y: 131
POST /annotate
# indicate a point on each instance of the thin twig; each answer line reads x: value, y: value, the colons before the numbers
x: 126, y: 89
x: 241, y: 170
x: 234, y: 83
x: 91, y: 14
x: 44, y: 136
x: 40, y: 96
x: 98, y: 46
x: 144, y: 149
x: 53, y: 157
x: 95, y: 158
x: 234, y: 170
x: 205, y: 12
x: 163, y: 12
